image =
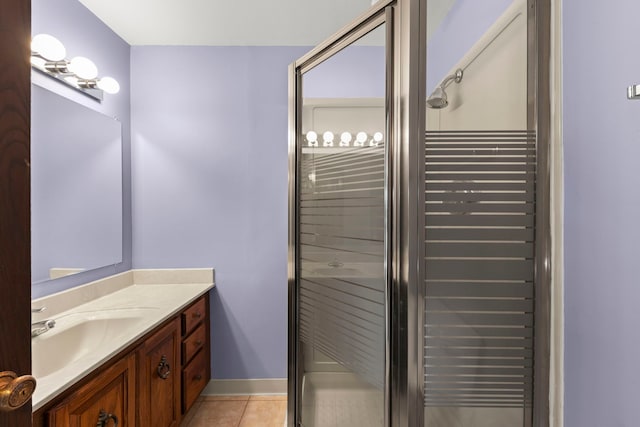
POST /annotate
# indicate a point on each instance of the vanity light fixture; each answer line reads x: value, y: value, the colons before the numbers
x: 48, y: 55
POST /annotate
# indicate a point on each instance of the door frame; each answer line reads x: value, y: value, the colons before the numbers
x: 15, y: 197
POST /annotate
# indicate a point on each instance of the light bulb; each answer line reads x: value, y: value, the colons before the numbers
x: 361, y: 138
x: 327, y: 137
x: 345, y: 139
x: 38, y: 62
x: 83, y: 67
x: 312, y: 136
x: 48, y: 47
x: 377, y: 138
x: 109, y: 85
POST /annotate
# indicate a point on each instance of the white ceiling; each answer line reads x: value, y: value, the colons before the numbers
x: 235, y: 22
x: 226, y: 23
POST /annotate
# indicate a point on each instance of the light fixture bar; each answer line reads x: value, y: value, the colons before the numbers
x: 80, y: 73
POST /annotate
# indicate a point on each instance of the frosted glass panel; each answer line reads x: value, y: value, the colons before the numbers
x: 342, y: 285
x: 480, y: 164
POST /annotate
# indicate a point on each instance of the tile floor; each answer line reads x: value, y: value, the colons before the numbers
x: 237, y: 411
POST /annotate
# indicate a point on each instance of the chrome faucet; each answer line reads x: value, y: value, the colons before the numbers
x: 39, y: 328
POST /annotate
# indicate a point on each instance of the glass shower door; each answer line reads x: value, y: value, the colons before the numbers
x: 341, y: 286
x: 480, y: 187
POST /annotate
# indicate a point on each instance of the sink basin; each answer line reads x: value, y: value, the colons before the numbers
x: 78, y: 335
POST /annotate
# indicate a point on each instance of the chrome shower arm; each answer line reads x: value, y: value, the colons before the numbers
x: 455, y: 77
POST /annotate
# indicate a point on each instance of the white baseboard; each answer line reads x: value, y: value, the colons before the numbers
x: 246, y: 387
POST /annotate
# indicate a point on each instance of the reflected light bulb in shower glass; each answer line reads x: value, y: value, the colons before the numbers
x: 345, y: 139
x: 83, y: 68
x: 327, y: 139
x: 312, y: 136
x: 109, y: 85
x: 48, y: 47
x: 361, y: 138
x: 377, y: 138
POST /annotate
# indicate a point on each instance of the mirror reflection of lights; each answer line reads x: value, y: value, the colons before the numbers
x: 312, y: 139
x: 345, y: 139
x: 361, y: 138
x: 327, y: 139
x: 377, y: 139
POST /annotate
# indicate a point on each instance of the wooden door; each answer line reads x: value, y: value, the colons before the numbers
x: 108, y: 400
x: 159, y: 378
x: 15, y: 237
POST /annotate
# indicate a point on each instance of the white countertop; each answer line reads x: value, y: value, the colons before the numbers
x: 158, y: 302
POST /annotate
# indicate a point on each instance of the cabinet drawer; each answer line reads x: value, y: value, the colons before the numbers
x: 194, y: 379
x: 193, y: 343
x: 193, y: 315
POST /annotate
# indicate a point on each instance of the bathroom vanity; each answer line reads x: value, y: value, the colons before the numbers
x: 156, y: 364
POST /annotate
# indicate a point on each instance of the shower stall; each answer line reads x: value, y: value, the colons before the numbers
x: 419, y: 246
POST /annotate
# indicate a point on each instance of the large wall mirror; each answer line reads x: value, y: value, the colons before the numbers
x: 76, y: 187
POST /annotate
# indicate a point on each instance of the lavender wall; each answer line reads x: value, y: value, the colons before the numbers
x: 602, y: 208
x: 84, y: 34
x: 210, y: 182
x: 210, y: 188
x: 355, y: 72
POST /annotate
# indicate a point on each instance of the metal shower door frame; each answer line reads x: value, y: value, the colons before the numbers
x: 405, y: 116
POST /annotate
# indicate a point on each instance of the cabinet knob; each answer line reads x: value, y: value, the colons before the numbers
x: 198, y: 377
x: 164, y: 369
x: 15, y: 391
x: 104, y: 417
x: 198, y: 343
x: 197, y: 315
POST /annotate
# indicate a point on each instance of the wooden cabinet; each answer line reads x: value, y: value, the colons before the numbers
x: 159, y: 378
x: 151, y: 383
x: 196, y: 350
x: 106, y: 401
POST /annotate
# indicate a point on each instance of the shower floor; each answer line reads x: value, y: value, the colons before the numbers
x: 331, y: 399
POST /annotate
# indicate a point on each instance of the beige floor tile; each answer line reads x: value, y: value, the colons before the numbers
x: 264, y: 414
x: 270, y: 397
x: 226, y: 398
x: 219, y: 413
x: 192, y: 412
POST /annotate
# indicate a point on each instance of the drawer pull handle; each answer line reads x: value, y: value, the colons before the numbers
x: 198, y: 377
x: 197, y: 315
x: 164, y: 369
x: 198, y: 343
x: 103, y: 419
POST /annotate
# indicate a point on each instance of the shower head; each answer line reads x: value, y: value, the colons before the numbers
x: 438, y: 98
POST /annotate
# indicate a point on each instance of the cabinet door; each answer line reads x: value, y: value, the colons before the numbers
x: 110, y: 397
x: 159, y: 378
